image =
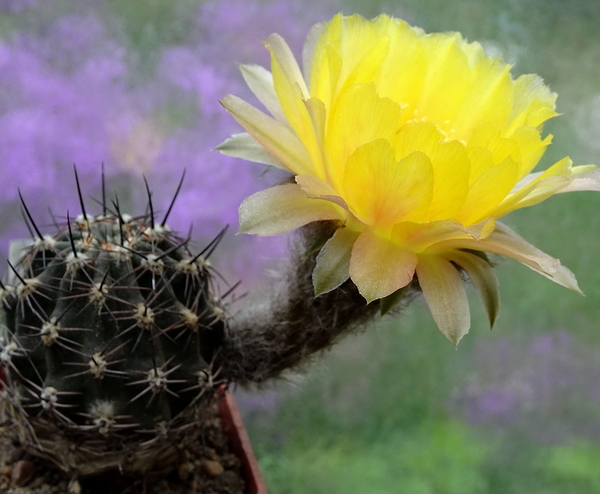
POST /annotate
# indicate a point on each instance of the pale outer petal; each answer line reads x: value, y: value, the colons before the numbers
x: 276, y: 138
x: 244, y: 146
x: 308, y: 50
x: 445, y: 295
x: 315, y: 187
x: 589, y: 180
x: 482, y: 275
x: 559, y: 273
x: 260, y: 82
x: 378, y: 267
x: 281, y: 209
x: 504, y: 242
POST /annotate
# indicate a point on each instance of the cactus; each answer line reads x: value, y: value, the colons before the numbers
x: 111, y: 327
x: 114, y: 345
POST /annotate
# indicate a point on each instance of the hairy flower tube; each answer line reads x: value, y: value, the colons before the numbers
x: 415, y: 144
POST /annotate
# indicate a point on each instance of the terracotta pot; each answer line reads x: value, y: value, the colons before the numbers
x: 240, y: 443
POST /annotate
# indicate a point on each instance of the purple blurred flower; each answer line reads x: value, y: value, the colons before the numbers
x: 546, y: 388
x: 72, y: 94
x: 56, y: 111
x: 14, y: 6
x: 233, y: 30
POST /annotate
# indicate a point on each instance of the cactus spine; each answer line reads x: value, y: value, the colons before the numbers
x: 110, y: 329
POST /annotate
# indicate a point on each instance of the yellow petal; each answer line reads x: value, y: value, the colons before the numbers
x: 381, y: 191
x: 538, y: 187
x: 281, y: 209
x: 292, y: 93
x: 489, y: 97
x: 285, y: 61
x: 368, y: 68
x: 447, y: 80
x: 404, y: 70
x: 419, y: 236
x: 317, y: 114
x: 483, y: 229
x: 445, y: 295
x: 450, y: 163
x: 350, y: 51
x: 488, y: 191
x: 489, y: 137
x: 333, y: 261
x: 531, y: 147
x: 533, y: 103
x: 360, y: 117
x: 378, y: 267
x: 327, y: 67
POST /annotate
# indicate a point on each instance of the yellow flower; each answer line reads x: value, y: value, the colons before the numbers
x: 415, y: 143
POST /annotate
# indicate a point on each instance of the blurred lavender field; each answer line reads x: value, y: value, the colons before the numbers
x: 88, y: 84
x: 135, y: 85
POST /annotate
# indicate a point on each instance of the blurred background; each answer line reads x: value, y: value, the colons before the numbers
x: 135, y: 85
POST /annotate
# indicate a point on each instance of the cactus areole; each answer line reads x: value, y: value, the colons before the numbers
x: 109, y: 334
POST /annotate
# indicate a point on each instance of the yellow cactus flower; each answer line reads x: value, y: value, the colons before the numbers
x: 415, y: 143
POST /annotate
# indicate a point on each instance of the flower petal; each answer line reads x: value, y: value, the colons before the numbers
x: 360, y: 117
x: 381, y: 191
x: 507, y: 243
x: 552, y: 268
x: 482, y: 275
x: 286, y: 61
x: 447, y: 79
x: 333, y: 261
x: 489, y: 98
x: 306, y: 119
x: 538, y: 187
x: 281, y: 209
x: 586, y: 177
x: 320, y: 189
x: 378, y: 267
x: 445, y: 295
x: 488, y: 191
x: 308, y: 50
x: 244, y: 146
x: 450, y: 162
x: 276, y: 138
x: 315, y: 187
x: 534, y: 103
x: 260, y: 82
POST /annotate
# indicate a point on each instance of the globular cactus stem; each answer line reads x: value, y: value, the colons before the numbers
x: 114, y: 342
x: 110, y: 330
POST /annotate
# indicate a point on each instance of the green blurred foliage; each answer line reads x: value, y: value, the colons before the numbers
x: 151, y: 25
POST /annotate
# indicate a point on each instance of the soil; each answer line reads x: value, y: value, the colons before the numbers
x: 208, y: 467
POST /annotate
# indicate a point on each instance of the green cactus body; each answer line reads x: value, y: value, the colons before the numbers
x: 110, y: 330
